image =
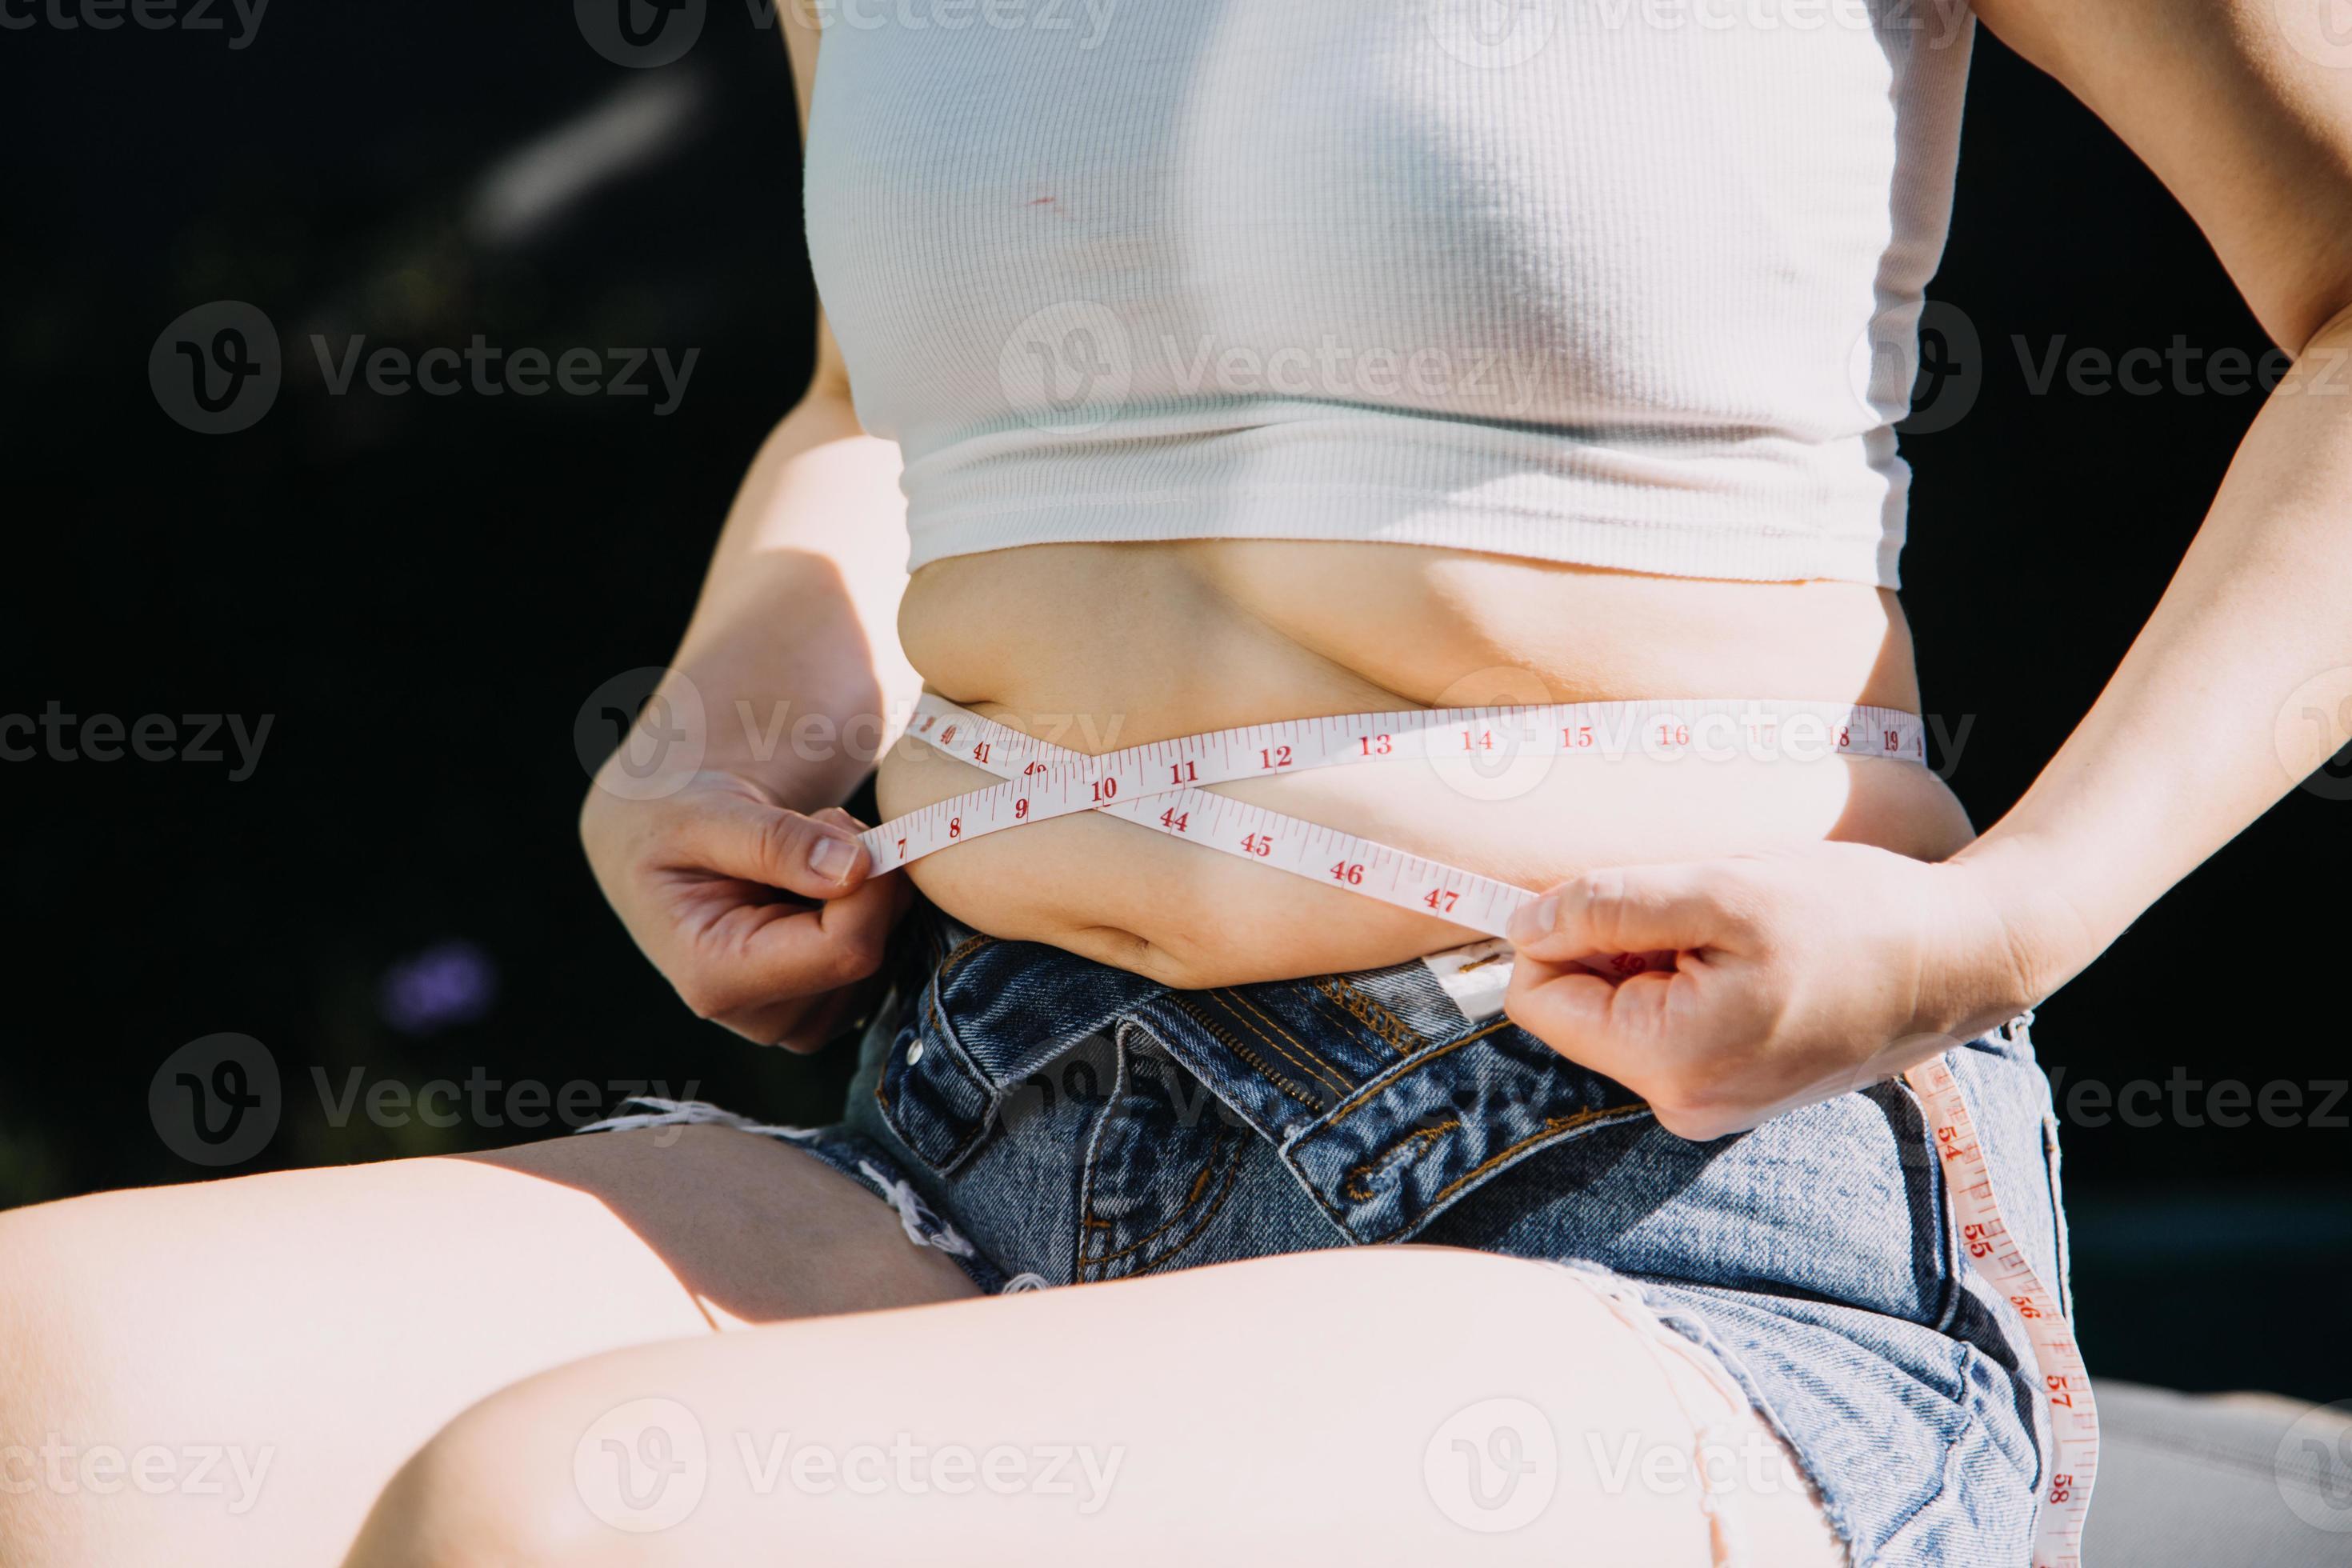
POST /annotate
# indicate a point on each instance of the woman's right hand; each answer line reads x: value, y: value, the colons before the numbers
x: 766, y: 919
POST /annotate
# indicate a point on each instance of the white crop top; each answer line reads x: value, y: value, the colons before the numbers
x: 1633, y: 283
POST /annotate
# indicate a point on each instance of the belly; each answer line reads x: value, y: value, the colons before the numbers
x: 1107, y: 645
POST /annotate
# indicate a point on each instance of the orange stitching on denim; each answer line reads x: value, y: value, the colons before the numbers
x: 882, y: 1098
x: 1232, y: 1173
x: 1553, y: 1126
x: 1317, y: 1068
x: 1200, y: 1183
x: 963, y: 949
x: 1405, y: 1070
x: 1144, y: 1240
x: 1391, y: 1030
x: 1226, y: 1038
x: 1411, y: 1149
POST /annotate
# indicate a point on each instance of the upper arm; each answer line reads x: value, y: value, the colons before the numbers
x: 803, y: 32
x: 2242, y: 108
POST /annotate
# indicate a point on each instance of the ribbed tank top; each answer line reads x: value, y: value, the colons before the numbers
x: 1632, y: 283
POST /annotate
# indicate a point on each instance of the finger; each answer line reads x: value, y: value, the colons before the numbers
x: 771, y: 1022
x: 736, y: 837
x: 757, y: 955
x: 1591, y: 1021
x: 1642, y: 909
x: 1661, y: 1035
x: 800, y: 1026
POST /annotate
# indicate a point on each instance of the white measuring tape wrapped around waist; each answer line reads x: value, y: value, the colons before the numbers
x: 1163, y: 786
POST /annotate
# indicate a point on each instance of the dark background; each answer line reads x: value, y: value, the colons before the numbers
x: 423, y: 591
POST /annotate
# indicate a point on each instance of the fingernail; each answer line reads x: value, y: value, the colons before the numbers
x: 832, y: 858
x: 1535, y: 920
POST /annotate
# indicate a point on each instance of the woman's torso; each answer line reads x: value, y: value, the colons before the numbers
x: 1105, y: 646
x: 1256, y: 362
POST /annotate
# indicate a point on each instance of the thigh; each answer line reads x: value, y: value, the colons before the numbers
x: 1397, y: 1405
x: 308, y: 1329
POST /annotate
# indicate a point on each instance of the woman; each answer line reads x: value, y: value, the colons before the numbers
x: 1314, y: 360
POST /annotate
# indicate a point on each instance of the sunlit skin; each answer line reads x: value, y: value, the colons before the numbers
x: 1833, y: 925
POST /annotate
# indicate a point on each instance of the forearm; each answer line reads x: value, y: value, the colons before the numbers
x: 793, y: 648
x: 2201, y: 730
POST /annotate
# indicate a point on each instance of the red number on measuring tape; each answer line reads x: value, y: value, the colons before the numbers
x: 955, y: 828
x: 1279, y: 757
x: 1375, y: 745
x: 1484, y: 742
x: 1673, y: 734
x: 1169, y: 819
x: 1258, y: 844
x: 1579, y: 736
x: 1344, y: 872
x: 1106, y: 789
x: 1020, y: 811
x: 980, y: 753
x: 1445, y: 908
x: 1183, y: 772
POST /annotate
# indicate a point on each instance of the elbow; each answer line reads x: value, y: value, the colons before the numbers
x: 2329, y: 316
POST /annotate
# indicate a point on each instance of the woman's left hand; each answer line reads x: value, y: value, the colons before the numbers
x: 1798, y: 975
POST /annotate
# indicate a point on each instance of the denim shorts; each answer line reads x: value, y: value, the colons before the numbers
x: 1048, y: 1120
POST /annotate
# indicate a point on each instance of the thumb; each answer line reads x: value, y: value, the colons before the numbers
x: 1640, y: 909
x: 736, y: 837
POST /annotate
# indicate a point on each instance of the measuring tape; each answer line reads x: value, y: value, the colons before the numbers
x: 1163, y: 786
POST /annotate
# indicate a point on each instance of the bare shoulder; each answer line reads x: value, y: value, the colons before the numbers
x: 2243, y: 108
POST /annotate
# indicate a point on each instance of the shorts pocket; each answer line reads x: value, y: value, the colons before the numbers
x: 2064, y: 1283
x: 1162, y: 1162
x: 930, y: 1093
x: 1421, y: 1137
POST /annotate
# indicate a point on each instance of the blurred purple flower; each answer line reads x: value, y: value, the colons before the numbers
x: 449, y: 982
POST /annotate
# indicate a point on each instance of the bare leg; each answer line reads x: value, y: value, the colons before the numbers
x: 310, y: 1329
x: 1331, y: 1407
